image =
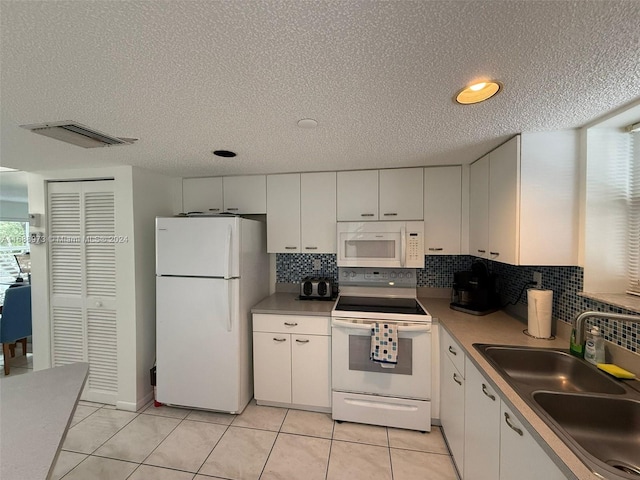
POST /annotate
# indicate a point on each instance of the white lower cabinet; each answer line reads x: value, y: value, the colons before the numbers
x: 452, y: 399
x: 487, y: 441
x: 521, y: 456
x: 292, y: 361
x: 481, y: 427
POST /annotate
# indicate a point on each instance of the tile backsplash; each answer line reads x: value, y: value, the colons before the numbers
x: 565, y: 282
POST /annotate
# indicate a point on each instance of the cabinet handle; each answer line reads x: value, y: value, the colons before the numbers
x: 437, y: 249
x: 455, y: 379
x: 291, y: 324
x: 301, y: 341
x: 390, y: 214
x: 214, y: 209
x: 290, y: 248
x: 482, y: 251
x: 232, y: 209
x: 495, y: 253
x: 486, y: 392
x: 280, y: 339
x: 310, y: 248
x: 453, y: 352
x: 366, y: 214
x: 511, y: 425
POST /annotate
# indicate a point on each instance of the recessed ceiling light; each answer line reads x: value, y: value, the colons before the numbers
x: 224, y: 153
x: 307, y: 123
x: 478, y: 92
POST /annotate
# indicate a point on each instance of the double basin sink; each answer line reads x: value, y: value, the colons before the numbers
x: 596, y: 415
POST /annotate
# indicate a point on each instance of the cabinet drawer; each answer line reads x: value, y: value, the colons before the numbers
x: 453, y: 351
x: 309, y: 324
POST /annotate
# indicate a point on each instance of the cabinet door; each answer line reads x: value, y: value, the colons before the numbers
x: 272, y: 367
x: 202, y: 195
x: 283, y: 213
x: 520, y: 455
x: 401, y: 194
x: 452, y: 410
x: 442, y: 210
x: 357, y: 194
x: 318, y: 212
x: 310, y: 370
x: 504, y: 201
x: 245, y: 194
x: 479, y: 207
x: 481, y: 427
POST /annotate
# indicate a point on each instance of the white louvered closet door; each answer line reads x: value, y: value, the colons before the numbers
x: 83, y: 282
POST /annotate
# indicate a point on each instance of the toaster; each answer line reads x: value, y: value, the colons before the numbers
x: 316, y: 288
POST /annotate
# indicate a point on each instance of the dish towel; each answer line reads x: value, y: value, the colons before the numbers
x: 384, y: 344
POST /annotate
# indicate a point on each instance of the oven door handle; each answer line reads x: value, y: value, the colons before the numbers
x: 367, y: 326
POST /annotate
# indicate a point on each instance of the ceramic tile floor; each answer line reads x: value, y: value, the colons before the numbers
x: 263, y: 443
x: 266, y: 443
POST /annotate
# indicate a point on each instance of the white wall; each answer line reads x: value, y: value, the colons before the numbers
x: 153, y: 195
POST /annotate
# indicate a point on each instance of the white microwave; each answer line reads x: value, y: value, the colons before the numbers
x: 381, y: 244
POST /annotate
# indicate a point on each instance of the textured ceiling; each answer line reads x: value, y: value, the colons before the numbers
x: 188, y: 77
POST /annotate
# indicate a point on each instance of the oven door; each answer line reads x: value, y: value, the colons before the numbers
x: 353, y: 371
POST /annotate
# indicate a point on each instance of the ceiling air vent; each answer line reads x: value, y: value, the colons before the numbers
x: 77, y: 134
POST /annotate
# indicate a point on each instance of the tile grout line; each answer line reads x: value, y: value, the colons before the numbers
x: 274, y: 443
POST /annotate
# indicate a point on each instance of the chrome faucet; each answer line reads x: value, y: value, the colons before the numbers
x: 581, y: 319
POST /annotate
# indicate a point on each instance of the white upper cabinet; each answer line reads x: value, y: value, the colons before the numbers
x: 401, y: 194
x: 523, y: 201
x: 245, y: 194
x: 318, y: 212
x: 503, y: 202
x: 202, y: 195
x: 242, y: 194
x: 357, y: 194
x: 283, y: 213
x: 442, y: 210
x: 479, y: 207
x: 301, y: 213
x: 394, y: 194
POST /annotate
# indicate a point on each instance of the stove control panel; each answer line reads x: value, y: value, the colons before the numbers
x: 378, y: 277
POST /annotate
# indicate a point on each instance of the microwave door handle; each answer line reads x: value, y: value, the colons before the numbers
x: 403, y: 240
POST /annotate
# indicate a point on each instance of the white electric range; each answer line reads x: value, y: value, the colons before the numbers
x: 366, y: 391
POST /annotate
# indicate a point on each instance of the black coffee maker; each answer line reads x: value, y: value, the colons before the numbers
x: 474, y: 291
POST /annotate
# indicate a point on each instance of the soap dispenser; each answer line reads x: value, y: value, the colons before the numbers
x: 594, y: 348
x: 574, y: 348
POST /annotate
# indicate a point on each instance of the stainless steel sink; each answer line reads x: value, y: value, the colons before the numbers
x: 596, y: 415
x: 605, y: 427
x: 549, y: 370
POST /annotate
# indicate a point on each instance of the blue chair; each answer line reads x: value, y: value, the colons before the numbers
x: 16, y: 321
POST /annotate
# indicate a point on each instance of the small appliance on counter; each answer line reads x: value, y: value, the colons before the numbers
x: 474, y: 291
x: 318, y: 288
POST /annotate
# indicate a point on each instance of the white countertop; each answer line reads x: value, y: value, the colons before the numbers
x: 35, y: 412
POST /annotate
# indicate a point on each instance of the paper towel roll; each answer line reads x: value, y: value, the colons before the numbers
x: 540, y: 307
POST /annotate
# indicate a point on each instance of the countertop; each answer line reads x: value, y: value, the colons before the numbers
x: 36, y: 410
x: 501, y: 328
x: 289, y: 304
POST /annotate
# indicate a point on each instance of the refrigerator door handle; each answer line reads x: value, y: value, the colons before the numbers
x: 229, y: 306
x: 227, y: 252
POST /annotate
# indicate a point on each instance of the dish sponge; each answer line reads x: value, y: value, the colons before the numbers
x: 615, y: 370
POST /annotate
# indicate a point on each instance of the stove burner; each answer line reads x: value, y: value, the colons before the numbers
x: 406, y: 306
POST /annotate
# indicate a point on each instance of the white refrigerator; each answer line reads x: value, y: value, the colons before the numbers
x: 210, y: 271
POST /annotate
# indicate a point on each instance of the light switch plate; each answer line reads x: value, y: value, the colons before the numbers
x: 317, y: 264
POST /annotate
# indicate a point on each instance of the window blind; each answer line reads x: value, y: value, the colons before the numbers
x: 633, y: 245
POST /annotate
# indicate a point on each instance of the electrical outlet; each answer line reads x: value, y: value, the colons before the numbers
x: 537, y: 278
x: 317, y: 264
